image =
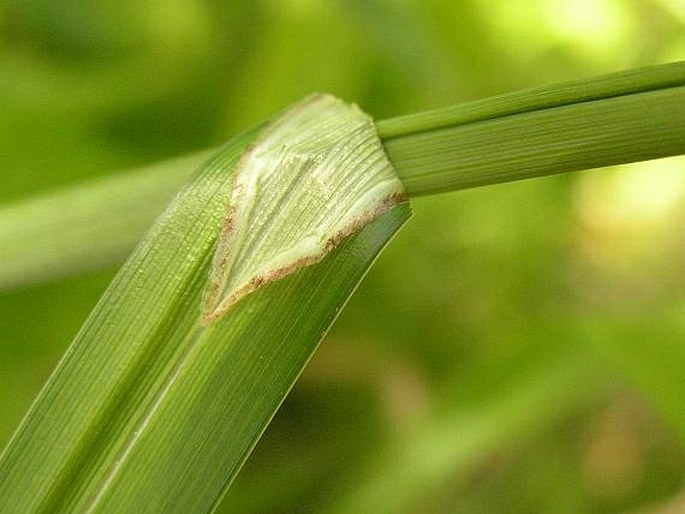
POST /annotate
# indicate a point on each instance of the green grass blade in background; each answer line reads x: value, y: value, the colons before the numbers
x: 446, y: 445
x: 152, y: 411
x: 88, y: 226
x: 121, y: 346
x: 614, y: 119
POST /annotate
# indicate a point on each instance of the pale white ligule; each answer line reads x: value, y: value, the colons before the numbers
x: 315, y: 175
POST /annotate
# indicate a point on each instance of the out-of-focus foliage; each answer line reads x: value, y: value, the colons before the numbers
x: 518, y: 349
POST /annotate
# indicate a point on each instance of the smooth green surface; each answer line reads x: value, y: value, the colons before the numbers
x: 628, y: 82
x: 580, y: 136
x: 88, y: 226
x: 69, y: 441
x: 450, y: 442
x: 655, y: 368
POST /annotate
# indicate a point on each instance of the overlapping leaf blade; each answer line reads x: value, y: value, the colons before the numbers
x: 99, y: 437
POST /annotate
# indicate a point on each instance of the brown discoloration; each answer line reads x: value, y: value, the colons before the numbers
x: 215, y: 307
x: 331, y: 243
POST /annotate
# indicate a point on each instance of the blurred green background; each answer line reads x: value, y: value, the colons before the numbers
x: 519, y: 348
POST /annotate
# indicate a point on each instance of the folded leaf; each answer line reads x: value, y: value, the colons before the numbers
x: 153, y: 411
x: 314, y: 176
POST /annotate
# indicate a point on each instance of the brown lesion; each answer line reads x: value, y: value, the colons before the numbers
x: 263, y: 279
x: 213, y: 309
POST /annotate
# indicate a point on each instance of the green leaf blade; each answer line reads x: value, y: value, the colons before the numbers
x: 273, y: 326
x: 44, y: 237
x: 613, y: 85
x: 98, y: 438
x: 622, y: 129
x: 118, y: 351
